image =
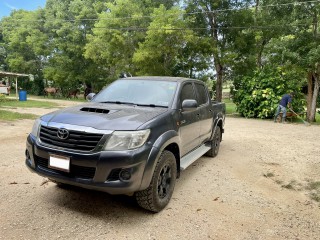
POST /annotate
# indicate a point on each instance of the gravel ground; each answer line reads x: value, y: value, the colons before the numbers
x: 254, y: 189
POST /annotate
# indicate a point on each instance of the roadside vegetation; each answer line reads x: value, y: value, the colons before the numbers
x: 10, y: 116
x: 13, y: 103
x: 314, y: 188
x: 7, y: 103
x: 232, y: 111
x: 58, y: 97
x: 262, y: 49
x: 231, y: 108
x: 310, y: 186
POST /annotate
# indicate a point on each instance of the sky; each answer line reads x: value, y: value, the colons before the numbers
x: 6, y: 6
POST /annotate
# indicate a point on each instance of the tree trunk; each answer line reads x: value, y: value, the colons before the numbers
x: 310, y: 93
x: 313, y: 109
x: 315, y: 78
x: 217, y: 55
x: 259, y: 47
x: 219, y: 81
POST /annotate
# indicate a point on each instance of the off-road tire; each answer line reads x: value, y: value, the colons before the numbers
x: 158, y: 194
x: 215, y: 143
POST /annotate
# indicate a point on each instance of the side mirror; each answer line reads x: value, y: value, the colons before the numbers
x: 90, y: 96
x: 189, y: 105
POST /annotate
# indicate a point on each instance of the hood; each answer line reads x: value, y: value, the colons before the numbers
x: 104, y: 116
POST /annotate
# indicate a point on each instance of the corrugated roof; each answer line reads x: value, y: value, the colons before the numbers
x: 11, y: 74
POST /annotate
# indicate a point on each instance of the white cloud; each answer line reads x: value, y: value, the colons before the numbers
x: 10, y: 6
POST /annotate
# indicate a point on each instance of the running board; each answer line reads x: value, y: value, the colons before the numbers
x: 191, y: 157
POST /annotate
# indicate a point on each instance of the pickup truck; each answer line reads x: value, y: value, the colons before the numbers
x: 134, y: 138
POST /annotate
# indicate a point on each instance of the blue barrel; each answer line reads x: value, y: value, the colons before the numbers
x: 22, y: 95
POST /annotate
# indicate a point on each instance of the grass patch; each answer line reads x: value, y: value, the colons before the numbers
x: 58, y: 97
x: 231, y: 107
x: 290, y: 185
x: 268, y: 175
x: 27, y: 104
x: 10, y: 116
x: 317, y: 119
x: 314, y: 188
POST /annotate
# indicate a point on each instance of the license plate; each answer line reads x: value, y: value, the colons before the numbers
x: 59, y: 162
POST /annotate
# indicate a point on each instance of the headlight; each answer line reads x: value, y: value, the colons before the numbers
x: 124, y: 140
x: 35, y: 128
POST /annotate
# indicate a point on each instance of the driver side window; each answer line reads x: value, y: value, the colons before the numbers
x: 187, y: 92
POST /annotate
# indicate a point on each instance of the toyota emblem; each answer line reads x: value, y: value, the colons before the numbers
x: 63, y: 133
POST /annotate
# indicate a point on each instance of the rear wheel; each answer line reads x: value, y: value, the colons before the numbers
x: 158, y: 194
x: 215, y: 143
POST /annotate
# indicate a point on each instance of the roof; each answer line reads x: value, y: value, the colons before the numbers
x: 11, y: 74
x: 161, y: 78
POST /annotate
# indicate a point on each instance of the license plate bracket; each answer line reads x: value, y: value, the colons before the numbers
x: 58, y: 162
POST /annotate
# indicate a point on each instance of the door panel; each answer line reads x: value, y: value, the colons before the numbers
x: 206, y: 114
x: 189, y: 122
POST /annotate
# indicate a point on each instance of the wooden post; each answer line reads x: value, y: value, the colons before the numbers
x: 17, y: 88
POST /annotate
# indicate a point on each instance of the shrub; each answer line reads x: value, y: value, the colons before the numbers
x: 258, y: 96
x: 2, y: 98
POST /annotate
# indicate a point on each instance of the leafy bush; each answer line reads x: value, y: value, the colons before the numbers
x: 34, y: 87
x: 2, y: 98
x: 258, y: 96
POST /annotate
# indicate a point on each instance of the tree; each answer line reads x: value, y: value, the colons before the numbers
x: 68, y: 23
x: 218, y: 21
x: 116, y: 36
x: 299, y: 46
x: 164, y: 44
x: 25, y: 45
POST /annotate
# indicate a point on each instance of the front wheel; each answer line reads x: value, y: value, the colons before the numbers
x: 158, y: 194
x: 215, y: 143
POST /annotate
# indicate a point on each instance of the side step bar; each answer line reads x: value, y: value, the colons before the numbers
x: 191, y: 157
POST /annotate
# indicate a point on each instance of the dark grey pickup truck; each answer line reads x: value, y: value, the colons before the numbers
x: 134, y: 138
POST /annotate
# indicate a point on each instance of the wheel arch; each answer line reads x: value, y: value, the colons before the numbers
x: 168, y: 141
x: 174, y: 148
x: 218, y: 122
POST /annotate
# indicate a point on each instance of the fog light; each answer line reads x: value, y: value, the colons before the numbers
x: 125, y: 175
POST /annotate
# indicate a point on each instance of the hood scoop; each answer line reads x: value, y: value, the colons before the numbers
x: 95, y: 110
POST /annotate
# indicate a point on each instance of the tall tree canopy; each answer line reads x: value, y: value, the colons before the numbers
x: 73, y: 42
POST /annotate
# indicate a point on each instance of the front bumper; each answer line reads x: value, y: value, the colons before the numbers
x: 102, y: 171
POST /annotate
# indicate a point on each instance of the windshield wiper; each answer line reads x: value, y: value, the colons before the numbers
x: 137, y: 104
x: 118, y: 102
x: 151, y: 105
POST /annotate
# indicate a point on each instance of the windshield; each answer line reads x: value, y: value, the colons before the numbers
x: 138, y: 92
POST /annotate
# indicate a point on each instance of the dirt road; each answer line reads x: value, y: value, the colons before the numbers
x: 254, y: 189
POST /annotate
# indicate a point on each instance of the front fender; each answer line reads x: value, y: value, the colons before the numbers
x: 160, y: 144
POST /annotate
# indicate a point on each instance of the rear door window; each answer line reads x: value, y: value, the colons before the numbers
x: 202, y: 94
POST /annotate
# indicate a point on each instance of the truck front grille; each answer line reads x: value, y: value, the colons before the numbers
x: 76, y: 140
x: 75, y: 170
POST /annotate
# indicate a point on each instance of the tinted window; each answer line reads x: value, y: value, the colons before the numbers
x: 202, y: 94
x: 187, y: 92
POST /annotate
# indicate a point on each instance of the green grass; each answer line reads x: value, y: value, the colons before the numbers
x: 27, y: 104
x: 314, y: 188
x: 230, y: 106
x: 317, y: 119
x: 58, y: 97
x: 10, y: 116
x: 268, y: 175
x: 13, y: 103
x: 291, y: 185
